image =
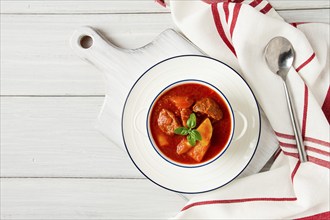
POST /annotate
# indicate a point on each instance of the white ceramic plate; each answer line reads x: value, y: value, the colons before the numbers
x: 198, y: 179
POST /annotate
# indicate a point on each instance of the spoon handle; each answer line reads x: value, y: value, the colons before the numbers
x: 295, y: 125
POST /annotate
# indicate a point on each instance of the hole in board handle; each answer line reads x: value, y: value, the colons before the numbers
x: 86, y: 41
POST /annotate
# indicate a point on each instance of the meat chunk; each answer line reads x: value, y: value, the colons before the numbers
x: 167, y: 121
x: 182, y: 102
x: 185, y: 113
x: 209, y: 107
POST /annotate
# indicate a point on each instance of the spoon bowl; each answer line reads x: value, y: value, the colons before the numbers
x: 279, y: 56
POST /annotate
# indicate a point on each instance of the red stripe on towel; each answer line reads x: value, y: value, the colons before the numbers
x: 295, y: 170
x: 309, y: 148
x: 161, y: 2
x: 326, y: 106
x: 237, y: 8
x: 287, y: 145
x: 219, y: 1
x: 296, y: 24
x: 226, y: 10
x: 306, y: 62
x: 319, y: 162
x: 282, y: 135
x: 323, y: 215
x: 316, y: 150
x: 266, y: 9
x: 304, y: 120
x: 227, y: 201
x: 314, y: 140
x: 312, y: 159
x: 255, y: 3
x: 317, y: 141
x: 220, y: 29
x: 295, y: 155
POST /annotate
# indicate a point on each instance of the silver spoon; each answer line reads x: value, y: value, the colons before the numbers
x: 279, y: 56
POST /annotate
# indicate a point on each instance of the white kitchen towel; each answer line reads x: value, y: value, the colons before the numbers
x: 237, y: 33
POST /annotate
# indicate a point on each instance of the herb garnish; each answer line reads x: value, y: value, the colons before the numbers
x: 192, y: 134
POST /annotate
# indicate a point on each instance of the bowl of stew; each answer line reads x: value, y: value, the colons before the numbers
x: 190, y: 123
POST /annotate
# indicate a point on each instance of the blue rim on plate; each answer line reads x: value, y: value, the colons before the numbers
x: 180, y: 191
x: 210, y: 160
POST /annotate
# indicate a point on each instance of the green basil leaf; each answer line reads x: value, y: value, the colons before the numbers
x: 197, y: 136
x: 191, y: 122
x: 181, y: 131
x: 191, y: 140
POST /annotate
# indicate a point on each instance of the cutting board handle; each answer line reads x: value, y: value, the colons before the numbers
x: 91, y: 46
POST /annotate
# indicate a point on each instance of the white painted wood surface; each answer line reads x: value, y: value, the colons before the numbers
x: 55, y: 137
x: 86, y: 199
x: 54, y: 164
x: 120, y: 6
x: 40, y: 44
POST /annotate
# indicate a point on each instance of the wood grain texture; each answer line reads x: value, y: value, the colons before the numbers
x: 86, y: 199
x: 316, y: 15
x: 123, y: 6
x: 55, y: 137
x: 37, y: 59
x: 81, y: 6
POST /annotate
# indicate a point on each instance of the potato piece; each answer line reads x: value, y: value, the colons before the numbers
x: 198, y: 152
x: 183, y: 146
x: 162, y: 140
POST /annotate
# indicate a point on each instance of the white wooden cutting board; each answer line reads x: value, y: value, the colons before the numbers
x: 123, y: 67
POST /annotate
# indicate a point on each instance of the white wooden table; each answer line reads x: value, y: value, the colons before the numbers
x: 54, y: 164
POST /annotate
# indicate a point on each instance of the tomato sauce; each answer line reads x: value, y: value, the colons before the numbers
x: 221, y: 128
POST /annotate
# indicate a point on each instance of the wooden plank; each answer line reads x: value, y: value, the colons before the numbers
x: 123, y: 6
x: 81, y: 6
x: 36, y: 58
x: 319, y: 15
x: 55, y: 137
x: 299, y: 4
x: 86, y: 199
